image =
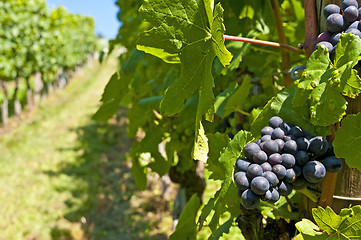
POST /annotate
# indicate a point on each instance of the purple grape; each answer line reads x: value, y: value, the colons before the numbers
x: 267, y: 196
x: 302, y: 143
x: 275, y: 196
x: 324, y: 37
x: 259, y: 185
x: 302, y: 158
x: 330, y: 9
x: 332, y: 164
x: 280, y: 143
x: 285, y: 127
x: 352, y: 25
x: 335, y: 23
x: 266, y: 167
x: 279, y: 170
x: 290, y: 175
x: 275, y: 159
x: 318, y: 146
x: 241, y: 180
x: 249, y: 199
x: 314, y: 171
x: 266, y: 131
x: 290, y: 147
x: 328, y: 45
x: 270, y: 147
x: 278, y: 133
x: 242, y: 164
x: 347, y: 3
x: 254, y: 170
x: 284, y: 188
x: 271, y: 177
x: 297, y: 170
x: 288, y: 160
x: 266, y: 138
x: 350, y: 14
x: 260, y: 157
x: 335, y: 38
x: 275, y: 121
x: 250, y: 149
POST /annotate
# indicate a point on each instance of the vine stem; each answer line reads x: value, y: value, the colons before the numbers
x: 310, y: 26
x: 262, y: 42
x: 329, y: 182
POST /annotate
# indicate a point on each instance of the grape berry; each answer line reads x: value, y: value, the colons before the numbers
x: 289, y: 158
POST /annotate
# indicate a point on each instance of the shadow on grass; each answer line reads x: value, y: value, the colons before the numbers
x: 102, y: 187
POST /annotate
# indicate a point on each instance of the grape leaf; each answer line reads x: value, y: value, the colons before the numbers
x: 217, y: 144
x: 348, y: 50
x: 186, y: 32
x: 347, y: 143
x: 226, y: 199
x: 346, y: 225
x: 187, y: 226
x: 327, y: 105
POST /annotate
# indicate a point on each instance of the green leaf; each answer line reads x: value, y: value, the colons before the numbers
x: 327, y: 105
x: 239, y: 99
x: 111, y: 98
x: 349, y: 81
x: 224, y: 228
x: 200, y: 147
x: 347, y: 143
x: 187, y: 226
x: 139, y: 174
x: 217, y: 144
x: 326, y: 219
x: 348, y: 50
x: 226, y: 199
x: 222, y: 99
x: 331, y: 226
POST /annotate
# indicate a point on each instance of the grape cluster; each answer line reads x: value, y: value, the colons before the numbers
x: 345, y: 19
x: 286, y: 157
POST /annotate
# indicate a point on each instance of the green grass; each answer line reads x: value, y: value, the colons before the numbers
x: 64, y: 176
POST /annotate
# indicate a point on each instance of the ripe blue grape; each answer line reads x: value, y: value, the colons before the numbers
x: 249, y: 199
x: 266, y: 138
x: 302, y: 144
x: 302, y: 158
x: 266, y: 131
x: 335, y: 23
x: 241, y: 180
x: 271, y: 177
x: 270, y: 147
x: 278, y: 133
x: 285, y: 127
x: 284, y: 188
x: 318, y: 146
x: 332, y: 164
x: 328, y: 45
x: 290, y: 147
x: 330, y: 9
x: 267, y: 196
x: 275, y: 195
x: 266, y: 167
x: 324, y: 37
x: 314, y: 171
x: 242, y: 164
x: 259, y: 185
x: 350, y: 13
x: 250, y: 149
x: 260, y: 157
x: 290, y: 175
x: 335, y: 38
x: 354, y: 31
x: 254, y: 170
x: 288, y: 160
x: 275, y: 121
x: 347, y: 3
x: 275, y: 159
x: 296, y: 131
x: 280, y: 143
x: 279, y: 170
x: 297, y: 170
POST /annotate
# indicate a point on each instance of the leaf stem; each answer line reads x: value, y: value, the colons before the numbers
x: 312, y: 195
x: 262, y: 42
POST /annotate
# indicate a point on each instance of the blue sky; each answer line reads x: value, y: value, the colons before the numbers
x: 103, y: 11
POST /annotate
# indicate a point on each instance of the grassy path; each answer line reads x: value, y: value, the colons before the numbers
x: 63, y: 176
